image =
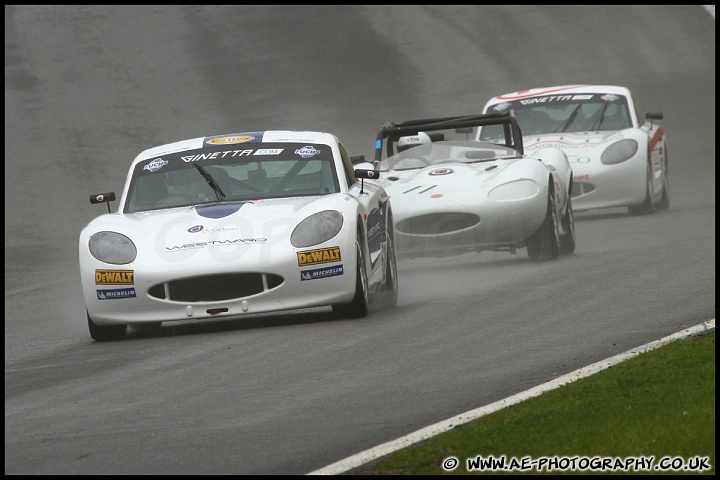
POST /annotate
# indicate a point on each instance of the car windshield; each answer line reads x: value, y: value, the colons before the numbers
x: 564, y: 113
x: 223, y: 173
x: 449, y: 151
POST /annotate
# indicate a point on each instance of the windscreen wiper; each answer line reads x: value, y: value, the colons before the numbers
x: 598, y: 122
x: 211, y: 181
x: 569, y: 120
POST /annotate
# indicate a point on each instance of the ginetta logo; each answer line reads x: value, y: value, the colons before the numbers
x: 321, y: 255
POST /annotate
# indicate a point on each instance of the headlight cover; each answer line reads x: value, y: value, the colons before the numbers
x: 317, y: 228
x: 515, y: 190
x: 112, y: 247
x: 618, y: 152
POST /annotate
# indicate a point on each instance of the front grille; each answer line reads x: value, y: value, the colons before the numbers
x: 437, y: 223
x: 214, y: 288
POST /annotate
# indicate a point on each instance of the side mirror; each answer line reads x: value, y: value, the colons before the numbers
x: 103, y: 198
x: 370, y: 174
x: 363, y: 173
x: 653, y: 116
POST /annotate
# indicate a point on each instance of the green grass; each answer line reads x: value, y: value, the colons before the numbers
x: 660, y: 403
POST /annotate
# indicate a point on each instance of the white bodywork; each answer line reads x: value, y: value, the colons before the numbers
x: 458, y: 204
x: 602, y: 178
x: 214, y: 258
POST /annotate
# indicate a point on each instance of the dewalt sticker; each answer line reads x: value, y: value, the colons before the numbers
x: 114, y: 277
x: 321, y: 255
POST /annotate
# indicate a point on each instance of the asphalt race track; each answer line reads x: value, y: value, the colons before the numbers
x: 89, y: 87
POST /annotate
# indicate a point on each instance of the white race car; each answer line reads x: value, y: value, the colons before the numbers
x: 452, y: 194
x: 238, y: 224
x: 619, y: 158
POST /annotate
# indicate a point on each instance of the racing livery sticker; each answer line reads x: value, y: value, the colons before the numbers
x: 307, y: 151
x: 201, y: 228
x: 536, y: 91
x: 114, y: 277
x: 268, y: 151
x: 231, y: 139
x: 570, y: 141
x: 117, y: 293
x: 216, y: 155
x: 321, y: 255
x: 501, y: 107
x: 155, y: 165
x: 321, y: 273
x: 216, y: 243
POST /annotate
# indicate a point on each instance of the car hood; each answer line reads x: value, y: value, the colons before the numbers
x: 456, y: 182
x: 573, y: 140
x: 456, y: 175
x: 236, y: 226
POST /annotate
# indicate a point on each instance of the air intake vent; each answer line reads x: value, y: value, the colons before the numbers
x: 214, y: 288
x: 437, y: 223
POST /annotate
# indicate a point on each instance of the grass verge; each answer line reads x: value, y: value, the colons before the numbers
x: 659, y: 404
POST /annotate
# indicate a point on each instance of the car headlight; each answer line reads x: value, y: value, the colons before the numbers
x: 618, y: 152
x: 112, y: 247
x: 517, y: 190
x: 317, y: 228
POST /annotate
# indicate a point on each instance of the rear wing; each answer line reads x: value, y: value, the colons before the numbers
x: 390, y: 133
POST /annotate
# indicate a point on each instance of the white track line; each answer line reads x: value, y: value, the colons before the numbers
x: 433, y: 430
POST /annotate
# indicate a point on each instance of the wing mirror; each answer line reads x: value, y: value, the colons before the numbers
x: 103, y: 198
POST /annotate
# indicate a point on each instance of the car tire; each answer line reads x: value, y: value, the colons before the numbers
x: 567, y: 239
x: 389, y: 296
x: 106, y: 334
x: 545, y: 243
x: 360, y: 304
x: 647, y: 207
x: 665, y: 199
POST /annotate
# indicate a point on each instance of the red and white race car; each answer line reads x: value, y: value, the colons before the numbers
x: 619, y: 158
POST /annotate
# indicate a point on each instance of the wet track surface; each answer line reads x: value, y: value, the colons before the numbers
x: 89, y: 87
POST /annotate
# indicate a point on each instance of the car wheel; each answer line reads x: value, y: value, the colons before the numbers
x: 359, y: 306
x: 665, y: 200
x: 567, y: 240
x: 106, y: 334
x: 389, y: 296
x: 647, y: 207
x: 545, y: 244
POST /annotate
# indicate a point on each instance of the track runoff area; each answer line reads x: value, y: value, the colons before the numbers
x: 451, y: 463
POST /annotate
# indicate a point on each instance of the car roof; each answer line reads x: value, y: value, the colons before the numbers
x: 274, y: 136
x: 560, y: 90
